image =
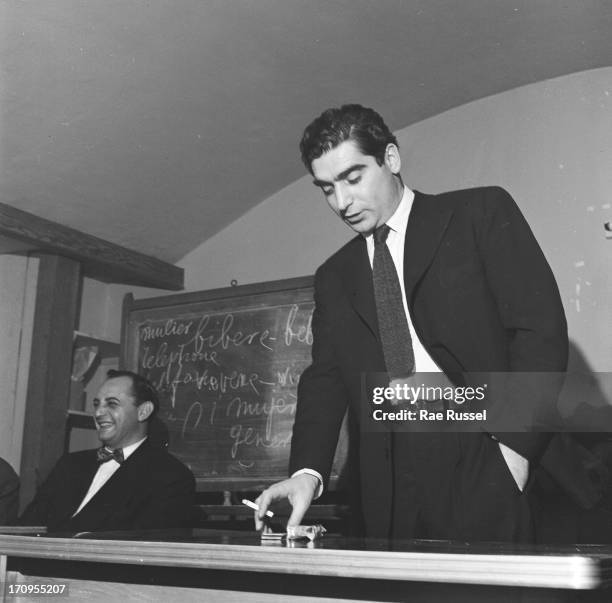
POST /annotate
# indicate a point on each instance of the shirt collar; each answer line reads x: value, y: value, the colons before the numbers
x: 128, y: 450
x: 398, y: 222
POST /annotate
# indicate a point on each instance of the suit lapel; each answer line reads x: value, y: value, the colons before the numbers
x: 358, y: 281
x: 119, y: 487
x: 85, y: 473
x: 127, y: 478
x: 82, y: 470
x: 426, y: 226
x: 82, y: 476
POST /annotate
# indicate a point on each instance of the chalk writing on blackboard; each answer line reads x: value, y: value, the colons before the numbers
x: 227, y: 370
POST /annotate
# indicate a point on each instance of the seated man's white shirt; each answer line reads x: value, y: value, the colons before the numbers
x: 104, y: 473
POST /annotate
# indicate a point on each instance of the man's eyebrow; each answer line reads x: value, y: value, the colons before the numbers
x: 108, y: 399
x: 342, y: 175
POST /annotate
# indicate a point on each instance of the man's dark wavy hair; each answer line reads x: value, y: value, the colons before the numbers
x: 360, y: 124
x: 142, y: 389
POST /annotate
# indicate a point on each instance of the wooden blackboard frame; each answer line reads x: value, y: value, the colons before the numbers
x: 301, y: 287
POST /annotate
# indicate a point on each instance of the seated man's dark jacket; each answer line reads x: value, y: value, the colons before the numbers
x: 150, y: 490
x: 9, y: 493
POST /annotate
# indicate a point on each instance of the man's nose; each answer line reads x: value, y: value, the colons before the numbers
x: 342, y: 198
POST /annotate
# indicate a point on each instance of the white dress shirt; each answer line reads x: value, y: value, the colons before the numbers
x: 104, y: 473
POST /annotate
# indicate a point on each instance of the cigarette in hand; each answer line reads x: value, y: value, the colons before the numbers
x: 250, y: 503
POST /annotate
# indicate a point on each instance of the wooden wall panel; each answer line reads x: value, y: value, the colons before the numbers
x: 55, y: 316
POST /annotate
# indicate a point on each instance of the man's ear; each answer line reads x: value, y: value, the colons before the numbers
x: 392, y: 158
x: 145, y: 410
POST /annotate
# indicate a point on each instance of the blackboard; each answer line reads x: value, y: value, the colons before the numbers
x: 226, y: 363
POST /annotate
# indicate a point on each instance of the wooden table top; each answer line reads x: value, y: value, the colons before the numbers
x: 567, y: 567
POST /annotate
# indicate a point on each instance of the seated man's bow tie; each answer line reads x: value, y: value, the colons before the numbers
x: 104, y: 454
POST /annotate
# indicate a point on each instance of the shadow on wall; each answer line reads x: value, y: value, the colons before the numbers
x: 583, y: 508
x: 585, y: 403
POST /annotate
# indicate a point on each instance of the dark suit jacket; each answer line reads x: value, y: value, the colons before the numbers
x: 482, y: 298
x: 151, y: 490
x: 9, y: 493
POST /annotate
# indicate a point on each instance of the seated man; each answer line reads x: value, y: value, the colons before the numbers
x: 9, y: 493
x: 128, y: 484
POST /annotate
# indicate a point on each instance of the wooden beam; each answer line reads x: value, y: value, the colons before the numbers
x: 55, y: 317
x: 100, y: 259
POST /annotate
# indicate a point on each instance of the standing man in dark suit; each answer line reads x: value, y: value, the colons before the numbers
x: 128, y: 484
x: 9, y: 493
x: 468, y: 291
